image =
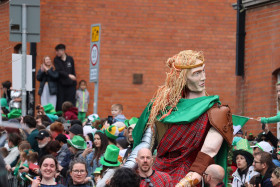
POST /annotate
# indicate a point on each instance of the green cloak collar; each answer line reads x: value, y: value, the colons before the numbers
x: 187, y: 111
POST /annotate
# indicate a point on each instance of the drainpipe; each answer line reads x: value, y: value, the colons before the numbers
x: 31, y: 98
x: 240, y: 39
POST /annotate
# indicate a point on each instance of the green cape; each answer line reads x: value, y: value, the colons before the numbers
x: 187, y: 111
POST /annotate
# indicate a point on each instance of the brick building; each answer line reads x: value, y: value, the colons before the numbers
x: 139, y: 36
x: 257, y: 90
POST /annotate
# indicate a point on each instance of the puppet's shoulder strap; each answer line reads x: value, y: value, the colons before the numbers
x: 220, y: 118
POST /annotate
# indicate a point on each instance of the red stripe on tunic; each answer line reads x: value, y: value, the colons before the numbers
x: 158, y: 179
x: 179, y: 147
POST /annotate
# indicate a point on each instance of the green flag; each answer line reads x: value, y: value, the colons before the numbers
x: 238, y: 122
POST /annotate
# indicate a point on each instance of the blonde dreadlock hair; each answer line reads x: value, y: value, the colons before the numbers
x: 171, y: 92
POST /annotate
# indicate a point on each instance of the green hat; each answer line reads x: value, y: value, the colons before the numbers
x: 4, y: 103
x: 110, y: 157
x: 112, y: 132
x: 98, y: 170
x: 243, y: 148
x: 52, y: 117
x: 77, y: 142
x: 236, y: 140
x: 15, y: 113
x: 49, y: 109
x: 93, y: 117
x: 132, y: 121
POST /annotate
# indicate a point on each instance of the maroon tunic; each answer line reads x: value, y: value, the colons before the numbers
x: 179, y: 147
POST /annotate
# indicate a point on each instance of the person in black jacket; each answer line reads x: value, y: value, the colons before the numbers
x: 48, y: 77
x: 64, y: 64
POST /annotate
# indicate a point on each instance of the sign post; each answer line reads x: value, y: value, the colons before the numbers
x: 23, y: 84
x: 94, y: 61
x: 24, y: 26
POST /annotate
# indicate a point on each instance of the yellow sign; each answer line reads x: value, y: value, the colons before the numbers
x: 95, y: 34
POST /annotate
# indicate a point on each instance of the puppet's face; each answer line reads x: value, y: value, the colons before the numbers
x: 196, y: 79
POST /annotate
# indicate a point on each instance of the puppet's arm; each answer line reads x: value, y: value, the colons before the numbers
x: 210, y: 148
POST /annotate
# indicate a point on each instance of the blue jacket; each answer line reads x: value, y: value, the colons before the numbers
x: 265, y: 180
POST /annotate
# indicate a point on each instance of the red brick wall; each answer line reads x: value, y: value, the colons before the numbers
x: 6, y: 47
x: 138, y: 37
x: 262, y: 57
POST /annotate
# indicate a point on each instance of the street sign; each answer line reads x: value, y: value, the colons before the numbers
x: 17, y: 72
x: 95, y: 34
x: 94, y: 61
x: 32, y: 18
x: 94, y: 52
x: 94, y: 55
x: 24, y: 27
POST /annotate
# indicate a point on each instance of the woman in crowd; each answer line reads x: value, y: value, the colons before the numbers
x: 130, y: 141
x: 48, y: 168
x: 48, y: 82
x: 78, y: 173
x: 275, y: 177
x: 100, y: 143
x: 243, y: 158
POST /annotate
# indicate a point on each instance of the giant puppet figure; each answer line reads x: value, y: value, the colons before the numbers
x: 189, y: 127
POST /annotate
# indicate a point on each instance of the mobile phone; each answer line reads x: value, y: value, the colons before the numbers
x: 110, y: 120
x: 245, y: 133
x: 38, y: 107
x: 263, y: 126
x: 89, y: 144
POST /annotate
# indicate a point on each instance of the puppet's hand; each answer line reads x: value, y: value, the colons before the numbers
x: 191, y: 179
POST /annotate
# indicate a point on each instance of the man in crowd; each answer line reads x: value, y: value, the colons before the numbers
x: 43, y: 139
x: 33, y: 131
x: 150, y: 177
x: 214, y: 175
x: 262, y: 147
x: 263, y: 164
x: 75, y: 130
x: 66, y: 88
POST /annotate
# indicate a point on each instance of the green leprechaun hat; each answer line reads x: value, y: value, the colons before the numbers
x: 93, y: 117
x: 15, y: 113
x: 112, y: 132
x: 110, y: 157
x: 243, y: 148
x: 131, y: 121
x: 77, y: 142
x: 49, y: 109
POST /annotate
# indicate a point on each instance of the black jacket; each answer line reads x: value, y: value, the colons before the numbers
x: 51, y: 77
x: 64, y: 68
